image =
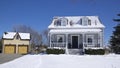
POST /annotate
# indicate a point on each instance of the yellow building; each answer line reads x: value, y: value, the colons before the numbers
x: 16, y: 43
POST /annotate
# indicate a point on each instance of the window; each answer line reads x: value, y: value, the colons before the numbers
x: 90, y: 39
x: 89, y: 22
x: 61, y: 22
x: 57, y: 23
x: 60, y: 38
x: 84, y: 21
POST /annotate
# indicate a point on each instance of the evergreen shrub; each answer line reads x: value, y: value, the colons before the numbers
x: 55, y: 51
x: 95, y: 51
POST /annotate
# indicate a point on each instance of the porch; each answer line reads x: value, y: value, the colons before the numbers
x: 76, y: 41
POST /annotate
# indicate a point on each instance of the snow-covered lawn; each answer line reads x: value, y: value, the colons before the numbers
x: 64, y: 61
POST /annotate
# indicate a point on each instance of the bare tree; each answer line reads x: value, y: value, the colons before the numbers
x: 36, y: 37
x: 45, y: 36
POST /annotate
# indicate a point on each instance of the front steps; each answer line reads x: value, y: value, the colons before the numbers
x: 75, y: 51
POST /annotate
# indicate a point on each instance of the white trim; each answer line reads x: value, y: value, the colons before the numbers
x: 66, y: 44
x: 83, y: 41
x: 99, y: 38
x: 62, y: 31
x: 78, y: 39
x: 103, y: 43
x: 50, y: 40
x: 3, y: 48
x: 16, y: 48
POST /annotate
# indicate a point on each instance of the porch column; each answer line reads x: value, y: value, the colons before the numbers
x: 3, y: 47
x: 101, y: 42
x: 98, y: 39
x: 83, y: 42
x: 66, y: 47
x: 50, y: 39
x: 16, y: 48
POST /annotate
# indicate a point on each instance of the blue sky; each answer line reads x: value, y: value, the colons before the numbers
x: 38, y: 14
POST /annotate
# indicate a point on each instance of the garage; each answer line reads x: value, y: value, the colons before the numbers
x: 22, y: 49
x: 10, y: 49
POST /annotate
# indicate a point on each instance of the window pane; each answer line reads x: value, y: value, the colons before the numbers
x: 89, y: 22
x: 85, y: 21
x: 63, y: 22
x: 60, y: 38
x: 58, y: 23
x: 89, y: 40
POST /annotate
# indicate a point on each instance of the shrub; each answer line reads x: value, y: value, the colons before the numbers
x: 95, y: 51
x: 55, y: 51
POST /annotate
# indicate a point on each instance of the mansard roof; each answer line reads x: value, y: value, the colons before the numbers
x: 95, y: 22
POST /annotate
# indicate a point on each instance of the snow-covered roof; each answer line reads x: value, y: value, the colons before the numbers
x: 11, y: 35
x: 74, y: 30
x: 95, y: 22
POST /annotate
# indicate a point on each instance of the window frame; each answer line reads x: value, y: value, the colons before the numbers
x: 61, y: 22
x: 85, y: 21
x: 58, y: 38
x: 89, y: 22
x: 92, y: 37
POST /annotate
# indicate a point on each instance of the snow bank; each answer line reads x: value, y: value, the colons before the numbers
x: 65, y: 61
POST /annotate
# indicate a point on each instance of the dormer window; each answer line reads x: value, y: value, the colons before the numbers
x: 89, y: 22
x: 57, y: 23
x: 85, y: 21
x: 61, y: 22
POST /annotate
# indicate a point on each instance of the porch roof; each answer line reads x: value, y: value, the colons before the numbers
x: 74, y: 30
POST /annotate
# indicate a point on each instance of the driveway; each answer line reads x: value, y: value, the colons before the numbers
x: 8, y: 57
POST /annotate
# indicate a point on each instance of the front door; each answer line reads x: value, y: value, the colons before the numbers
x: 74, y: 41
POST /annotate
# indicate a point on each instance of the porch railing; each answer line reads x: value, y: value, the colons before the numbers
x: 58, y: 44
x: 63, y: 45
x: 93, y: 46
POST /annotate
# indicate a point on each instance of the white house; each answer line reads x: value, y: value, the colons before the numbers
x: 76, y: 32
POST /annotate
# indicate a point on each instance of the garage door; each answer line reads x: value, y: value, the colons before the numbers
x: 9, y: 49
x: 22, y: 49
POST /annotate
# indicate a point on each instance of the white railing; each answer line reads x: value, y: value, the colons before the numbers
x: 58, y: 44
x: 91, y: 45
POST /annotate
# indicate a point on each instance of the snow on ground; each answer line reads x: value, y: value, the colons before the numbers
x: 64, y: 61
